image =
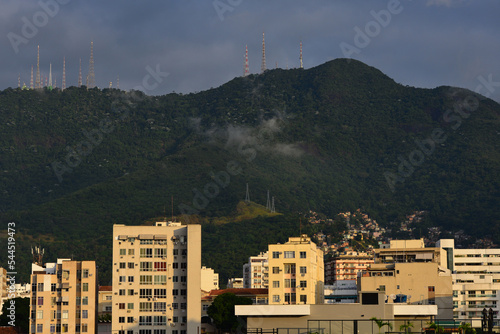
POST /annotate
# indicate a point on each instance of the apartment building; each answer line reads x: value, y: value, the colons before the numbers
x: 64, y: 297
x: 296, y: 272
x: 347, y: 265
x: 476, y: 281
x: 410, y: 273
x: 209, y: 279
x: 256, y: 272
x: 156, y: 279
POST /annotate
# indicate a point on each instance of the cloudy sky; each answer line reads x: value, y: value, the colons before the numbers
x: 201, y: 43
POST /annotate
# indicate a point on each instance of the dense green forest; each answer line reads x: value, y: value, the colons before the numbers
x: 336, y: 137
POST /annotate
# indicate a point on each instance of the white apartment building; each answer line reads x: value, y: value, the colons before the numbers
x: 156, y: 279
x: 475, y: 280
x: 256, y: 272
x: 209, y: 279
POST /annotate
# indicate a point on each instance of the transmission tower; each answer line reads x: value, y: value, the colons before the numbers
x: 63, y: 86
x: 31, y: 80
x: 263, y: 65
x: 91, y: 76
x: 19, y: 81
x: 50, y: 77
x: 80, y: 74
x: 273, y: 210
x: 247, y: 196
x: 301, y: 64
x: 247, y: 70
x: 268, y: 204
x: 118, y: 82
x: 38, y: 83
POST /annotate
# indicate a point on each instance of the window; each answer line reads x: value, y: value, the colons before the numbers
x: 175, y: 265
x: 276, y: 284
x: 184, y: 265
x: 303, y: 284
x: 40, y: 286
x: 123, y: 252
x: 381, y: 287
x: 159, y: 320
x: 175, y: 278
x: 53, y: 287
x: 39, y: 328
x: 289, y: 268
x: 84, y: 328
x: 146, y: 242
x: 131, y: 252
x: 431, y: 289
x: 303, y: 299
x: 160, y: 266
x: 287, y: 298
x: 130, y: 306
x: 130, y: 319
x: 40, y: 301
x: 131, y: 279
x: 146, y: 252
x: 145, y: 307
x: 160, y: 279
x: 160, y: 307
x: 183, y: 279
x: 145, y: 320
x: 175, y: 306
x: 303, y: 270
x: 123, y: 265
x: 85, y: 314
x: 287, y: 283
x: 183, y: 292
x: 85, y: 287
x: 131, y: 265
x: 39, y: 314
x: 146, y: 266
x: 85, y: 273
x: 122, y: 279
x: 289, y: 255
x: 65, y: 314
x: 121, y: 320
x: 276, y: 270
x: 183, y: 307
x: 145, y: 293
x: 303, y: 255
x: 160, y: 252
x: 146, y: 279
x: 85, y: 300
x: 276, y: 255
x: 121, y: 292
x: 121, y: 306
x: 175, y: 292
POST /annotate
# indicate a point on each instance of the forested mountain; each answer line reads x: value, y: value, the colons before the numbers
x: 336, y: 137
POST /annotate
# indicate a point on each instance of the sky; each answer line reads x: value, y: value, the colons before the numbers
x: 189, y: 46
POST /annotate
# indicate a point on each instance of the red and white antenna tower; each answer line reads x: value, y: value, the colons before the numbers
x: 247, y: 70
x: 263, y: 65
x: 91, y: 76
x: 80, y: 74
x: 38, y: 82
x: 301, y: 65
x: 63, y: 87
x: 31, y: 80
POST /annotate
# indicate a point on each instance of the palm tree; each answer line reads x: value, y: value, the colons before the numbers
x: 436, y: 327
x: 466, y: 328
x: 406, y: 327
x: 380, y: 323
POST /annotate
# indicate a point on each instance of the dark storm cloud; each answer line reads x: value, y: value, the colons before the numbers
x: 426, y: 44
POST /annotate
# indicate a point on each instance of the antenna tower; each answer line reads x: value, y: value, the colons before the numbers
x: 247, y: 70
x: 247, y: 197
x: 50, y: 76
x: 63, y: 87
x: 37, y: 253
x: 91, y: 76
x: 263, y: 65
x: 301, y: 64
x: 80, y: 74
x: 38, y: 83
x: 268, y: 204
x: 31, y: 80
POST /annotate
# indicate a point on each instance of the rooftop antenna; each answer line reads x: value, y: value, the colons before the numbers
x: 91, y: 76
x: 247, y: 70
x: 263, y: 65
x: 63, y: 87
x: 37, y: 253
x: 50, y: 77
x: 80, y: 74
x: 268, y: 204
x: 301, y: 64
x: 38, y: 83
x: 247, y: 197
x: 31, y: 80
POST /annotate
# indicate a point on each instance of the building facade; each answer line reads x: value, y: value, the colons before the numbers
x: 476, y: 281
x: 209, y: 279
x: 256, y: 272
x: 296, y: 272
x: 346, y: 266
x: 156, y: 279
x: 64, y: 297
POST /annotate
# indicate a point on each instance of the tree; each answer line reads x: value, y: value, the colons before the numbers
x: 22, y: 313
x: 380, y: 323
x: 436, y: 327
x: 406, y: 327
x: 466, y: 328
x: 222, y: 311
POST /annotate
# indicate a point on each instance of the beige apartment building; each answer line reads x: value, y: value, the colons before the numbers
x: 407, y: 272
x: 156, y: 279
x: 347, y: 265
x: 296, y: 272
x: 64, y: 297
